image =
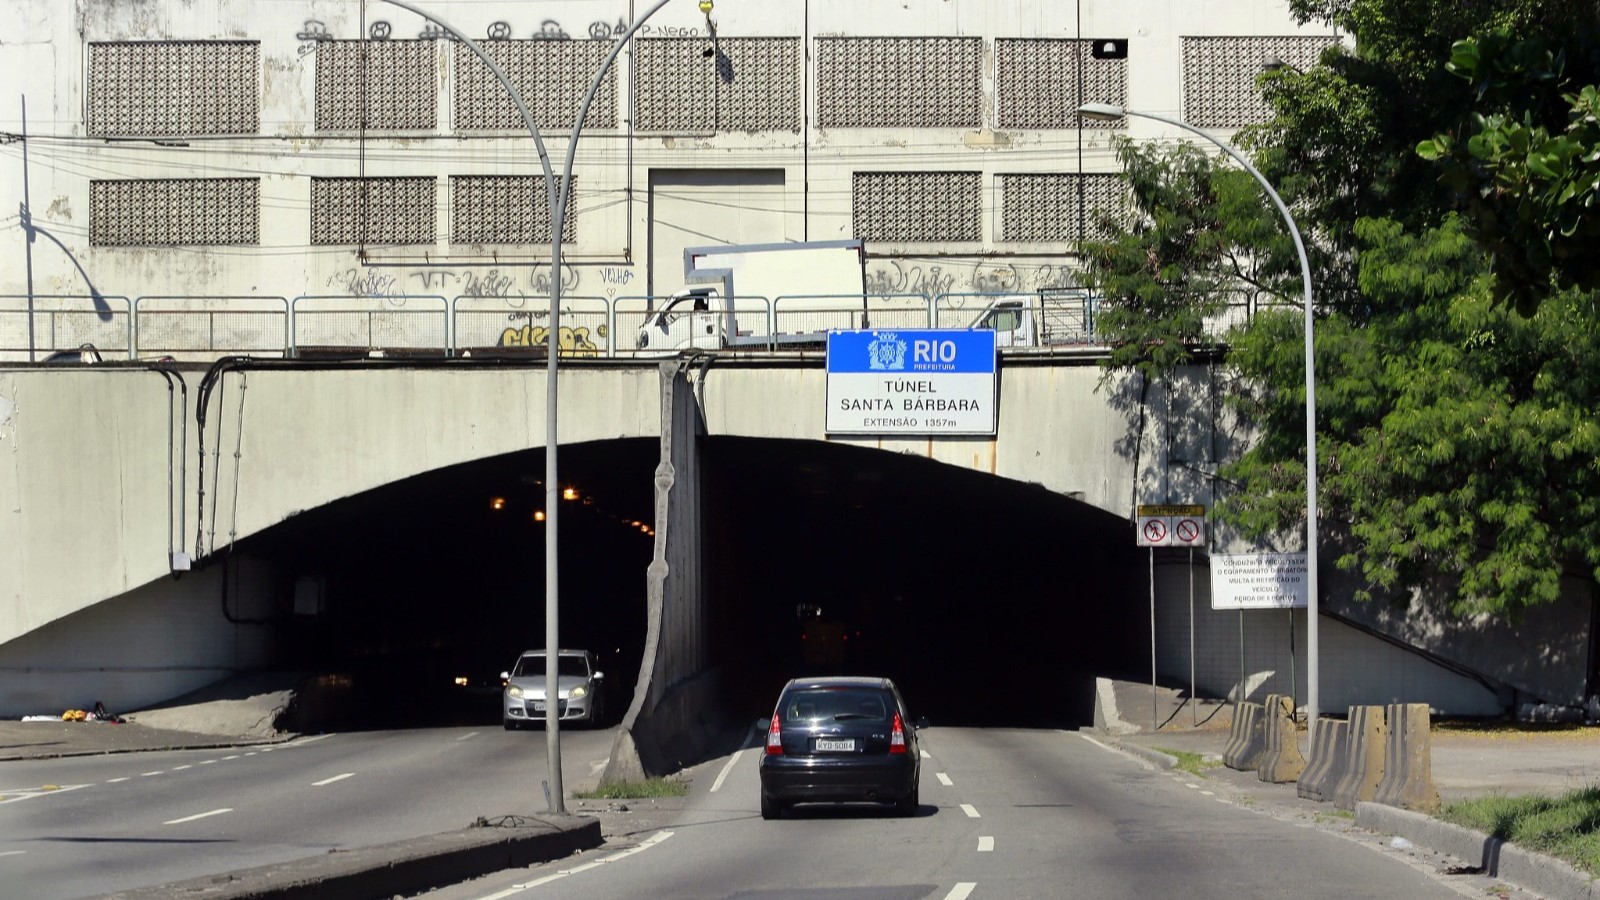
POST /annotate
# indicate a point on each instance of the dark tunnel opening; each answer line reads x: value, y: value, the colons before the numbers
x: 991, y: 602
x: 442, y: 577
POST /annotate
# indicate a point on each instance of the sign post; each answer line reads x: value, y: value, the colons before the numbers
x: 1170, y: 525
x: 1260, y: 581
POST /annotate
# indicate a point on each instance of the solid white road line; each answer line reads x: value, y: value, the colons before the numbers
x: 985, y: 844
x: 961, y: 891
x: 728, y: 767
x: 749, y: 736
x: 468, y: 736
x: 971, y: 812
x: 12, y: 852
x: 1110, y: 749
x: 515, y: 889
x: 214, y: 812
x: 945, y: 779
x: 327, y: 781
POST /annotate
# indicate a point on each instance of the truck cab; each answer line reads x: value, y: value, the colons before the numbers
x: 690, y: 320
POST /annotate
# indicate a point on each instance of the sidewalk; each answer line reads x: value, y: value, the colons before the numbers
x: 1465, y: 764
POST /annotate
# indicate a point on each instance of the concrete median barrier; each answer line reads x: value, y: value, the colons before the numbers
x: 1246, y: 741
x: 1281, y: 761
x: 1328, y: 762
x: 1408, y: 760
x: 1364, y: 748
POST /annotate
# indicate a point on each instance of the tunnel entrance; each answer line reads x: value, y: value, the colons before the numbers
x: 441, y: 577
x: 990, y: 602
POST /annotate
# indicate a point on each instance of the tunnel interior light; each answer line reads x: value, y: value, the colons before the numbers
x: 569, y: 493
x: 497, y: 503
x: 538, y: 515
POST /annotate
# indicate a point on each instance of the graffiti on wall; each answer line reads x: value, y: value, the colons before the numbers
x: 978, y: 276
x: 571, y: 341
x: 465, y: 282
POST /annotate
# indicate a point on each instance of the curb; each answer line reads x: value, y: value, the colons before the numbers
x: 1533, y: 871
x: 401, y: 868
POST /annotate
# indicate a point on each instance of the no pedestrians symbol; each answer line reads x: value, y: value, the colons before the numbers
x: 1154, y: 532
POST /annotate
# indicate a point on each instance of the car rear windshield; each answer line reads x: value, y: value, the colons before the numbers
x: 568, y: 666
x: 837, y: 704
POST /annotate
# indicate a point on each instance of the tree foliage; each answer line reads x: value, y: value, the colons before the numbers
x: 1194, y: 239
x: 1525, y: 161
x: 1456, y: 435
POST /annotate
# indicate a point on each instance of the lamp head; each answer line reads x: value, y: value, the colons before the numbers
x: 1102, y: 111
x: 705, y: 6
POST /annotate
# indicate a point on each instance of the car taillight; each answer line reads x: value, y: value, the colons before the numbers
x: 775, y: 738
x: 897, y: 735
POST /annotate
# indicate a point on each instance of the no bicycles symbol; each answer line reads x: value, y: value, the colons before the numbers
x: 1187, y: 531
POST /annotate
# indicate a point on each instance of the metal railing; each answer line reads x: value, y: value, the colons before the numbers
x: 45, y: 323
x: 206, y: 327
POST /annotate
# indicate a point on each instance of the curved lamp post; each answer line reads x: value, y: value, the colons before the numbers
x: 1111, y: 112
x: 558, y: 195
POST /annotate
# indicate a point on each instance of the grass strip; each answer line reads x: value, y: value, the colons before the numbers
x: 1566, y: 827
x: 636, y: 790
x: 1193, y: 763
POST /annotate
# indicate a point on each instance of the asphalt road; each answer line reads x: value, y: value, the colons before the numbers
x: 1005, y: 813
x: 82, y: 826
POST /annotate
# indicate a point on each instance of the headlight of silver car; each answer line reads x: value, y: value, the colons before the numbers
x: 514, y: 692
x: 578, y: 693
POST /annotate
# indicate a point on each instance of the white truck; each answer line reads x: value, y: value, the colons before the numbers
x: 732, y: 297
x: 1041, y: 319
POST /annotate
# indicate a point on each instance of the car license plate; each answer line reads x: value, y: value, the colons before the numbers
x: 538, y: 706
x: 825, y: 745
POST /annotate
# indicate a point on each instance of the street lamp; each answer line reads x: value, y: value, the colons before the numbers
x: 558, y: 194
x: 1111, y: 112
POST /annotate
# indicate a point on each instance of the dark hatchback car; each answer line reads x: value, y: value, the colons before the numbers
x: 840, y: 739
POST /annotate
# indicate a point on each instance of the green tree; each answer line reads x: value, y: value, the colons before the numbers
x: 1194, y: 239
x: 1457, y: 445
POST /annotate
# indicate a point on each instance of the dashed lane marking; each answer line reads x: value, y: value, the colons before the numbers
x: 972, y: 813
x: 945, y: 779
x: 181, y: 768
x: 12, y: 852
x: 924, y: 754
x: 961, y: 891
x: 468, y: 736
x: 204, y: 815
x: 148, y: 774
x: 985, y: 844
x: 327, y: 781
x: 515, y: 889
